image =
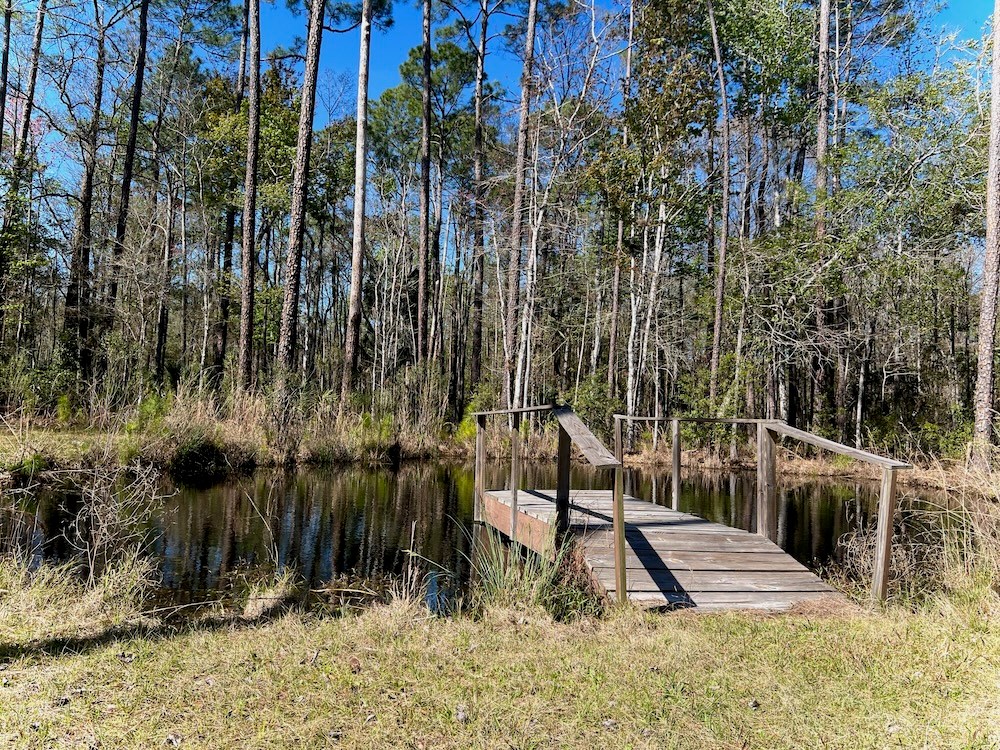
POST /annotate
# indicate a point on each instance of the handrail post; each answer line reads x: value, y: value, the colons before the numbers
x: 883, y: 550
x: 562, y: 485
x: 619, y: 448
x: 480, y: 470
x: 767, y: 525
x: 618, y: 528
x: 675, y: 463
x: 515, y: 471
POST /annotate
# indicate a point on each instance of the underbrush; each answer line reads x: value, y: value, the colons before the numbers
x: 944, y: 557
x: 510, y: 576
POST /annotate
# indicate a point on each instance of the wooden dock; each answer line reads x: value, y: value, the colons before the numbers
x: 654, y: 556
x: 672, y: 559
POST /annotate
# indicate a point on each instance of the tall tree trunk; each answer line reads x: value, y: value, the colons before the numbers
x: 300, y: 189
x: 248, y: 245
x: 517, y: 220
x: 77, y: 316
x: 720, y: 263
x: 20, y: 145
x: 8, y: 7
x: 163, y: 312
x: 823, y: 117
x: 479, y: 194
x: 822, y: 366
x: 12, y: 207
x: 425, y: 188
x: 220, y: 328
x: 360, y: 186
x: 983, y: 400
x: 620, y: 242
x: 121, y: 223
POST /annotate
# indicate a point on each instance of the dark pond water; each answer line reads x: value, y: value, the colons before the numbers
x: 363, y: 522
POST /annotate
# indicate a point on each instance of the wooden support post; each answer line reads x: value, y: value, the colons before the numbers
x: 675, y: 463
x: 767, y: 518
x: 883, y: 550
x: 515, y: 471
x: 480, y: 470
x: 562, y: 485
x: 619, y: 448
x: 618, y: 521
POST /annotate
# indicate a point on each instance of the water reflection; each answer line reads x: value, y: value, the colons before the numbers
x: 324, y: 523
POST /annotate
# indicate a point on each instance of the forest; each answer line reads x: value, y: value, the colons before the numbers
x: 768, y: 209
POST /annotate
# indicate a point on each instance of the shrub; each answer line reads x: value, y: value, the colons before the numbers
x: 199, y: 456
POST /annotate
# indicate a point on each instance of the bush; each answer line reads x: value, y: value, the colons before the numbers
x: 199, y: 456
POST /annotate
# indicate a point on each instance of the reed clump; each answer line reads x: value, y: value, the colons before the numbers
x: 508, y: 576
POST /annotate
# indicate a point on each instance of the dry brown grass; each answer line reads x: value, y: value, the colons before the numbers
x: 394, y: 676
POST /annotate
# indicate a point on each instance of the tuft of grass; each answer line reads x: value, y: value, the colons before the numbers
x: 54, y: 603
x: 509, y: 576
x: 271, y: 595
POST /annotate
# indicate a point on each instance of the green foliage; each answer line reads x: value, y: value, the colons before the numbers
x: 150, y: 413
x: 43, y: 389
x: 29, y: 465
x: 593, y: 404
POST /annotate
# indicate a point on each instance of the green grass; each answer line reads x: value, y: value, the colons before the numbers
x: 395, y: 676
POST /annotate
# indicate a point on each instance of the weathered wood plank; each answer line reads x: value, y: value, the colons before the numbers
x: 767, y: 508
x: 520, y: 410
x: 757, y: 562
x: 675, y: 464
x: 671, y: 559
x: 694, y: 582
x: 883, y: 550
x: 563, y: 489
x: 820, y: 442
x: 591, y: 448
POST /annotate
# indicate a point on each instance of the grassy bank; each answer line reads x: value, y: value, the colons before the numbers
x: 74, y: 675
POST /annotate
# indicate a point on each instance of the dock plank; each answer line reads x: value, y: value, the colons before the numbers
x: 673, y: 559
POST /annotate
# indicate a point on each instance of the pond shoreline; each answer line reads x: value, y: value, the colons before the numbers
x: 36, y: 458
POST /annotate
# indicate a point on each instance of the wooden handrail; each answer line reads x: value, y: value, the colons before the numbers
x: 767, y: 432
x: 519, y: 410
x: 783, y: 428
x: 572, y: 430
x: 591, y: 448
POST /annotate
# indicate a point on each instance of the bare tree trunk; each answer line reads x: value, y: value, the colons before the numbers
x: 517, y: 221
x: 620, y: 243
x: 360, y: 182
x: 248, y: 250
x: 823, y: 117
x: 423, y: 261
x: 220, y: 327
x: 163, y: 312
x: 77, y: 316
x: 616, y: 279
x: 29, y: 97
x: 300, y: 189
x: 983, y: 400
x: 121, y: 224
x: 479, y: 194
x: 5, y: 65
x: 720, y: 264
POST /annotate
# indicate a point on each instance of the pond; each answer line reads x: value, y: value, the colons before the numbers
x: 363, y: 522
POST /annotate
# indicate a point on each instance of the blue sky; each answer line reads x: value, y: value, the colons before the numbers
x: 968, y: 17
x: 390, y: 48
